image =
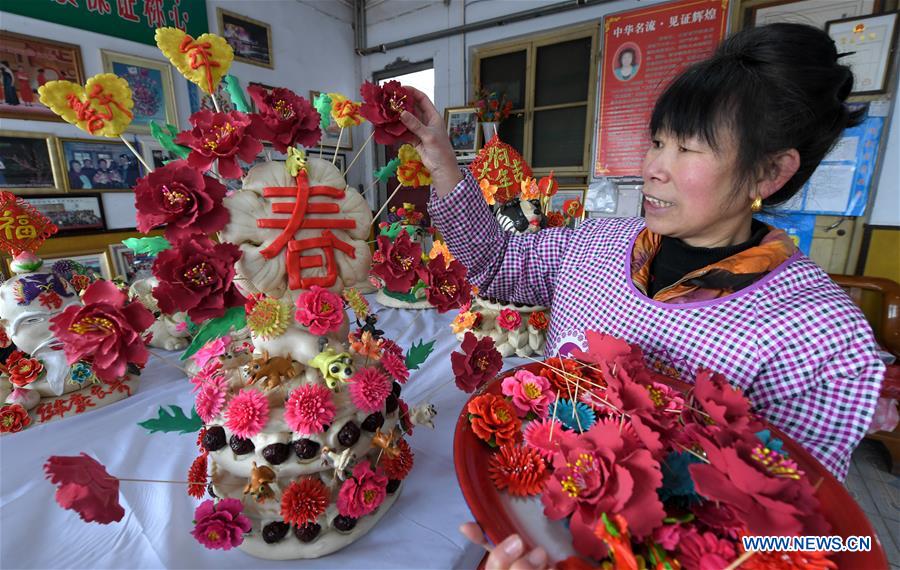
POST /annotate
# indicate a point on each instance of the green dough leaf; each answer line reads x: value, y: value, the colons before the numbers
x: 418, y: 353
x: 166, y: 138
x: 148, y: 245
x: 391, y: 231
x: 173, y: 421
x: 388, y: 170
x: 322, y: 103
x: 234, y: 318
x: 233, y: 86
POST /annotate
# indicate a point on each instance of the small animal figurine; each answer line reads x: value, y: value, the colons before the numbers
x: 258, y: 486
x: 369, y: 327
x: 334, y: 366
x: 275, y: 370
x: 423, y: 415
x: 386, y: 443
x: 340, y: 462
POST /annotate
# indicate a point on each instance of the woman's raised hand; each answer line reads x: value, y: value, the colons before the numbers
x: 433, y: 144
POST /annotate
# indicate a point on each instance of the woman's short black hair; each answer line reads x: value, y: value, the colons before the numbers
x: 774, y: 88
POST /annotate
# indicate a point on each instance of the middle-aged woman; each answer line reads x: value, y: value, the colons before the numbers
x: 698, y: 282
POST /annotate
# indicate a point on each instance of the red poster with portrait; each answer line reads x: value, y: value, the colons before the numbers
x: 643, y: 50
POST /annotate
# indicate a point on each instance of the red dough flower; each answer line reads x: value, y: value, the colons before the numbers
x: 369, y: 388
x: 363, y: 492
x: 181, y: 197
x: 562, y: 373
x: 398, y: 467
x: 538, y: 436
x: 13, y: 418
x: 696, y: 550
x: 447, y: 285
x: 520, y: 470
x: 197, y: 476
x: 538, y: 320
x: 304, y: 501
x: 197, y: 276
x: 106, y: 331
x: 382, y: 105
x: 284, y: 118
x: 247, y: 413
x: 220, y: 525
x: 220, y: 137
x: 478, y: 362
x: 494, y: 420
x: 309, y: 409
x: 724, y: 404
x: 395, y: 365
x: 320, y: 310
x: 555, y: 220
x: 509, y: 319
x: 23, y: 371
x: 85, y: 487
x: 400, y: 260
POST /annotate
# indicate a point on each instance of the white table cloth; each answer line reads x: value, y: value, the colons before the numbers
x: 420, y: 530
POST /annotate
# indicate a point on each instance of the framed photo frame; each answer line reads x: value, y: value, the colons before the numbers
x: 250, y: 39
x: 565, y: 194
x: 811, y: 12
x: 869, y: 43
x: 129, y: 265
x: 72, y: 213
x: 462, y: 128
x: 96, y: 260
x: 29, y: 163
x: 98, y: 165
x: 331, y: 134
x: 151, y: 85
x: 153, y: 152
x: 26, y: 63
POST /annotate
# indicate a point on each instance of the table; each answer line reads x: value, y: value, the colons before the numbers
x: 420, y: 530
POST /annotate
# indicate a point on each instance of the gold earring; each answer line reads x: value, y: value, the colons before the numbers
x: 756, y: 205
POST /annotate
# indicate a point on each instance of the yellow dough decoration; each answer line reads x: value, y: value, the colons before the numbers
x: 412, y: 171
x: 344, y: 111
x: 101, y: 107
x: 203, y: 61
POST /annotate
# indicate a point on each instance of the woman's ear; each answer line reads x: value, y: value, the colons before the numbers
x: 782, y: 166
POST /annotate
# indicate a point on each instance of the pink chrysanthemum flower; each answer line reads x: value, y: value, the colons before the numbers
x: 538, y: 436
x: 210, y: 372
x: 395, y: 366
x: 211, y: 399
x: 309, y: 409
x: 369, y: 388
x: 247, y: 413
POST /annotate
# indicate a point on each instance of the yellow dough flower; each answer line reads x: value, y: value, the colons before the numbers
x: 412, y: 171
x: 464, y: 321
x: 102, y: 107
x: 344, y: 111
x: 530, y: 190
x: 488, y: 190
x: 204, y: 61
x: 440, y: 248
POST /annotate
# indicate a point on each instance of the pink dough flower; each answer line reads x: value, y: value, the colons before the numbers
x: 529, y: 393
x: 247, y: 413
x: 395, y: 366
x: 309, y: 409
x: 509, y: 319
x: 85, y: 487
x: 220, y: 525
x: 363, y: 492
x: 369, y: 388
x: 211, y: 398
x: 320, y: 310
x: 538, y: 435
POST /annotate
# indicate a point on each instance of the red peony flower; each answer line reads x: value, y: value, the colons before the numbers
x: 23, y: 371
x: 724, y: 404
x: 363, y: 492
x: 509, y: 319
x: 220, y: 137
x: 382, y: 105
x: 320, y: 310
x: 247, y: 413
x: 284, y: 118
x: 181, y: 197
x: 220, y: 525
x: 555, y: 220
x: 106, y: 331
x: 197, y: 476
x: 197, y: 276
x: 520, y: 470
x: 494, y: 420
x: 538, y: 320
x: 304, y: 501
x: 447, y: 285
x: 478, y: 362
x: 369, y: 388
x: 398, y: 467
x: 309, y: 409
x: 401, y: 259
x: 395, y: 365
x: 85, y: 487
x: 599, y: 472
x: 13, y: 418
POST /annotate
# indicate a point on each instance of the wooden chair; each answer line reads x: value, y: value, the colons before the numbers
x: 887, y: 333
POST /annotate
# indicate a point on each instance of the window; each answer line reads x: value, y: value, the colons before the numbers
x: 551, y: 81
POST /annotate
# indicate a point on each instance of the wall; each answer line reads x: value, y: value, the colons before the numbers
x: 886, y: 209
x: 312, y: 44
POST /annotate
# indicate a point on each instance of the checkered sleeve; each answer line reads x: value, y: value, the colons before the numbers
x: 820, y: 375
x: 516, y: 268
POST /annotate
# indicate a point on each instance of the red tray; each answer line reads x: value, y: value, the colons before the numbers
x: 471, y: 458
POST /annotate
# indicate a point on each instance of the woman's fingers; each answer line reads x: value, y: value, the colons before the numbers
x: 505, y: 553
x: 414, y: 125
x: 473, y: 532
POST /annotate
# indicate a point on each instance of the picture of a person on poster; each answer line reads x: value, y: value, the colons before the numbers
x: 627, y: 64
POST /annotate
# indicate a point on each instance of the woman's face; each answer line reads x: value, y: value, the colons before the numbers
x: 626, y: 59
x: 689, y: 191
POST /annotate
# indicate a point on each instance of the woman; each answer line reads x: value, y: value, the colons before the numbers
x: 698, y: 282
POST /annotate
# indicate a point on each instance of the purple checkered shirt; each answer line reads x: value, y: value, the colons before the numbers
x: 793, y: 341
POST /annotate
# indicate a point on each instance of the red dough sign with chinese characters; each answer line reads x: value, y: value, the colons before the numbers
x: 643, y: 51
x: 22, y: 228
